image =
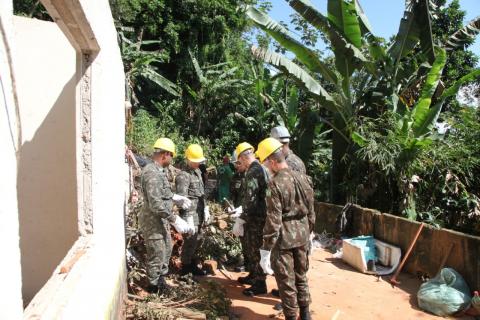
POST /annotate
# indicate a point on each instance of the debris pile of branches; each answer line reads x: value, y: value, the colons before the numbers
x: 185, y: 299
x: 219, y: 243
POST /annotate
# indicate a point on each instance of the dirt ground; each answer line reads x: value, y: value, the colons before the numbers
x: 338, y: 292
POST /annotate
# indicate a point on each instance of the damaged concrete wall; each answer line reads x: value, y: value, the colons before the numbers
x: 72, y: 90
x: 107, y: 272
x: 45, y: 67
x: 10, y: 133
x: 102, y: 171
x: 432, y: 245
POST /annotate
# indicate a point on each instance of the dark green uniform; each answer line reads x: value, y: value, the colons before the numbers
x: 154, y: 220
x: 254, y: 214
x: 236, y: 188
x: 290, y: 219
x: 224, y: 176
x: 189, y: 183
x: 295, y: 163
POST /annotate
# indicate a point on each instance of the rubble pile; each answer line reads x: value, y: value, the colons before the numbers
x: 186, y: 299
x: 219, y: 243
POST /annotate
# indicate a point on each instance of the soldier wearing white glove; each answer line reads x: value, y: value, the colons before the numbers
x: 182, y: 201
x: 189, y: 186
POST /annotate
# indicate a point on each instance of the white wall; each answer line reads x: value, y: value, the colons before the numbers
x: 10, y: 296
x: 48, y: 81
x: 109, y: 173
x: 45, y: 68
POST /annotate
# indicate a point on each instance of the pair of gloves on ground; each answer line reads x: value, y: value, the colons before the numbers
x: 187, y: 227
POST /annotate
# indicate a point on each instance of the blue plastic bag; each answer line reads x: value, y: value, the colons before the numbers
x: 444, y: 295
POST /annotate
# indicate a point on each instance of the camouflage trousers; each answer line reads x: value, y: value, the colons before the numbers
x: 159, y: 250
x: 290, y: 268
x: 190, y: 244
x: 245, y: 252
x: 253, y: 231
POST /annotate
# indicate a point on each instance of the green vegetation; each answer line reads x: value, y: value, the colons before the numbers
x: 366, y: 114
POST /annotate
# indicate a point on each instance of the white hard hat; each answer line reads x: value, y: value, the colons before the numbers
x: 280, y: 133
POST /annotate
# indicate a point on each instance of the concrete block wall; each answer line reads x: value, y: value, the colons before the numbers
x: 430, y: 249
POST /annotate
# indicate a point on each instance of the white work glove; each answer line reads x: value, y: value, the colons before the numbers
x: 238, y: 227
x: 181, y: 201
x: 181, y: 225
x: 191, y: 225
x: 265, y: 261
x: 206, y: 214
x: 235, y: 213
x: 310, y: 248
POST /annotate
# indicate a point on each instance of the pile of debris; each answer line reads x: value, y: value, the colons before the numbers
x: 186, y: 299
x: 219, y: 243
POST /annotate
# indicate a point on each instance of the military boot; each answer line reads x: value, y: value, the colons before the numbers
x: 193, y: 269
x: 162, y: 285
x: 249, y: 279
x: 259, y: 287
x: 305, y: 313
x: 196, y: 271
x: 153, y: 289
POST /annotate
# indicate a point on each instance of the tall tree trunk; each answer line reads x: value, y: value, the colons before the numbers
x: 306, y: 134
x: 339, y: 168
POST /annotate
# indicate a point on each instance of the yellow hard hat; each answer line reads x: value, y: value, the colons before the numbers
x: 194, y: 153
x: 243, y: 147
x: 165, y: 144
x: 266, y: 147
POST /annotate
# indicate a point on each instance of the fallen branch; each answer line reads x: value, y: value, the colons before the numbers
x: 135, y: 297
x: 225, y: 272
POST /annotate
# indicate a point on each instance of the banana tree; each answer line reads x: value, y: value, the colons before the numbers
x: 140, y: 64
x: 369, y: 77
x: 214, y: 84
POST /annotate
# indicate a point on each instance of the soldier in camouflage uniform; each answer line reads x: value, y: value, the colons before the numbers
x: 290, y: 220
x: 157, y: 215
x: 236, y: 192
x: 253, y: 217
x: 189, y: 183
x: 294, y: 162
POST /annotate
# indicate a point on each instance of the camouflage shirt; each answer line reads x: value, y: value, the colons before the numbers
x: 189, y: 183
x: 295, y: 163
x: 253, y: 193
x: 290, y: 212
x: 236, y: 188
x: 158, y: 204
x: 172, y: 174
